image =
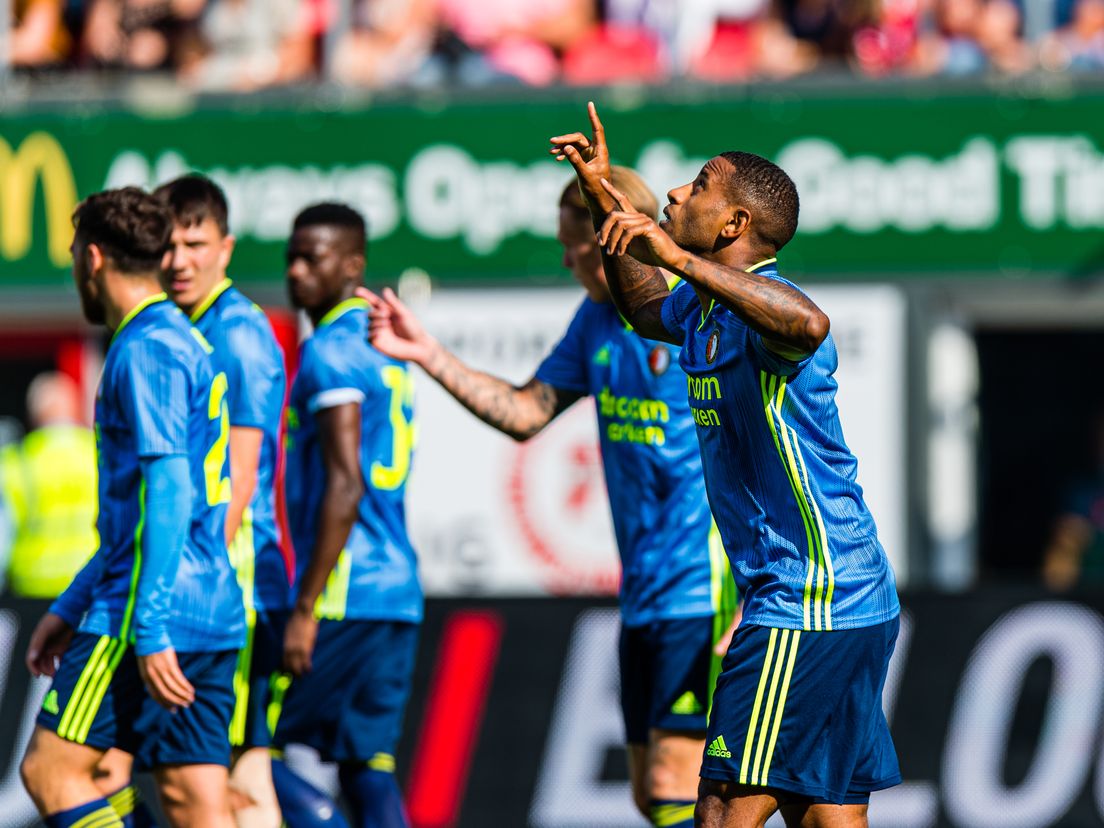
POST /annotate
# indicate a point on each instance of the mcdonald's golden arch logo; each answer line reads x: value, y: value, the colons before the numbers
x: 38, y: 158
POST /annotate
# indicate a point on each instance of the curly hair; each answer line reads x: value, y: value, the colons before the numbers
x: 130, y: 226
x: 765, y: 187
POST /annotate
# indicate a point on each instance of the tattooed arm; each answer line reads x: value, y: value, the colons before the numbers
x: 789, y: 321
x: 518, y: 411
x: 637, y: 289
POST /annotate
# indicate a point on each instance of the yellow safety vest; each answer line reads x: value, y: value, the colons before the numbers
x: 48, y: 484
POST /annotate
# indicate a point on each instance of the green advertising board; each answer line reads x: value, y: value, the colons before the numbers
x: 896, y: 184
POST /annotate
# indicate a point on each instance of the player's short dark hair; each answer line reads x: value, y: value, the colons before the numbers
x: 335, y: 214
x: 626, y: 180
x: 193, y: 198
x: 765, y: 187
x: 130, y: 226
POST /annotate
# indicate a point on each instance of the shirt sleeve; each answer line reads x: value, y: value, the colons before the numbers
x: 73, y: 603
x: 168, y: 501
x: 330, y: 380
x: 566, y: 366
x: 154, y: 398
x: 677, y: 308
x: 776, y: 363
x: 255, y: 373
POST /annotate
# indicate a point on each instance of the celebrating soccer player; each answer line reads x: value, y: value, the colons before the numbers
x: 797, y: 722
x: 247, y: 352
x: 677, y: 595
x: 148, y: 633
x: 350, y: 436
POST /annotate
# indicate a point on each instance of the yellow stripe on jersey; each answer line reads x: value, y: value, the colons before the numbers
x: 820, y: 576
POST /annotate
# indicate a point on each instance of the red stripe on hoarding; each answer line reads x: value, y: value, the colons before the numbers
x: 454, y: 712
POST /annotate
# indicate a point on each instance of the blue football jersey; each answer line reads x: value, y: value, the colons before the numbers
x: 781, y: 480
x: 160, y: 396
x: 672, y: 562
x: 247, y: 352
x: 376, y: 576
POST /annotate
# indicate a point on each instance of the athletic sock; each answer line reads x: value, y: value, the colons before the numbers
x: 373, y: 794
x: 95, y: 814
x: 130, y: 808
x: 671, y: 813
x: 302, y: 804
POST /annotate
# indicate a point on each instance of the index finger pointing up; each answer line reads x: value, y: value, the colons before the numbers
x: 596, y: 124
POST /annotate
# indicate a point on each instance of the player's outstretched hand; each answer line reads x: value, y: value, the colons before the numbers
x: 589, y: 156
x: 165, y: 681
x: 394, y: 330
x: 49, y: 641
x: 299, y: 638
x: 627, y: 231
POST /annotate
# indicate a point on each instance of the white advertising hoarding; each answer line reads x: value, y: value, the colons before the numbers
x: 491, y: 516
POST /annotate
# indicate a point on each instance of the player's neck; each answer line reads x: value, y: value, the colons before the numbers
x: 316, y: 315
x: 124, y: 293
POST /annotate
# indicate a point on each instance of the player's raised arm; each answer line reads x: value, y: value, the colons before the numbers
x: 712, y: 240
x: 638, y: 289
x: 517, y: 411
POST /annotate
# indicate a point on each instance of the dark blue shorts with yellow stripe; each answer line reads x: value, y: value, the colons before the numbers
x: 258, y: 663
x: 800, y: 712
x: 350, y: 706
x: 97, y: 699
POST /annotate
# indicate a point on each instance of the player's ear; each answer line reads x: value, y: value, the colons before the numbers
x: 94, y: 257
x: 354, y: 267
x: 737, y: 224
x: 228, y: 242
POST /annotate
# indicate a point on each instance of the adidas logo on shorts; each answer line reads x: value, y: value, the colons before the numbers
x: 718, y: 748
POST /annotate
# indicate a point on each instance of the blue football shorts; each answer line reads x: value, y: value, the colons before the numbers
x: 97, y: 699
x: 801, y: 713
x: 350, y: 706
x: 667, y: 674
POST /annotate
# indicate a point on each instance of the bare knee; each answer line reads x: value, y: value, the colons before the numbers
x: 729, y: 805
x: 58, y: 774
x: 638, y: 776
x: 113, y: 772
x: 195, y: 795
x: 674, y: 760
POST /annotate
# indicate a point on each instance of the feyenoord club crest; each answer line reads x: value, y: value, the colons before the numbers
x: 659, y: 359
x: 712, y: 346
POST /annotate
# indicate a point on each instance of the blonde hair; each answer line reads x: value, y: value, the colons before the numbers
x: 624, y: 179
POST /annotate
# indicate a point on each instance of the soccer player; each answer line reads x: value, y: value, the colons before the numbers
x: 247, y: 352
x: 352, y: 635
x: 148, y: 632
x: 797, y: 721
x: 677, y: 595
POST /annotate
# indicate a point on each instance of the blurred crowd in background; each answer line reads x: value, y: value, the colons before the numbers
x: 239, y: 45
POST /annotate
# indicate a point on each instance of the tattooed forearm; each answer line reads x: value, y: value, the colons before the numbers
x: 638, y: 291
x: 784, y: 316
x: 519, y: 412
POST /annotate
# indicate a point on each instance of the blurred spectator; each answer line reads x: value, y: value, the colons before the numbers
x: 512, y: 39
x: 48, y: 484
x: 1075, y: 553
x: 38, y: 37
x: 388, y: 43
x: 139, y: 34
x: 975, y: 36
x: 246, y: 44
x: 829, y: 25
x: 1079, y: 44
x: 888, y: 44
